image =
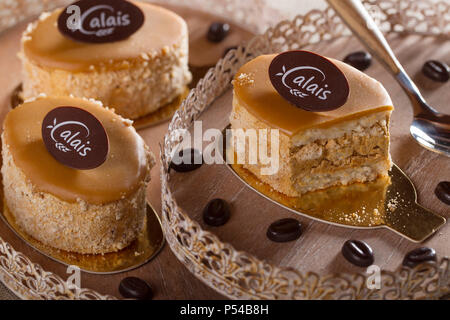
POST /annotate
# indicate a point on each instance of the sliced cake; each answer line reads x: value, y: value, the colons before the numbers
x: 317, y: 150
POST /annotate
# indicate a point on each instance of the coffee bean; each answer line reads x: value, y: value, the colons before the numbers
x: 360, y: 60
x: 135, y: 288
x: 358, y: 253
x: 218, y: 31
x: 284, y: 230
x: 194, y: 160
x: 228, y: 49
x: 418, y: 256
x: 442, y: 191
x: 436, y: 70
x: 216, y: 213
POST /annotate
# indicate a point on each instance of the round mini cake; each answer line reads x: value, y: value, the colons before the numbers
x: 89, y: 211
x: 135, y: 76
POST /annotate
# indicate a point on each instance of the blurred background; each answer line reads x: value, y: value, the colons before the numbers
x: 290, y: 8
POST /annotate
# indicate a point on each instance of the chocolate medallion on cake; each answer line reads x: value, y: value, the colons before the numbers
x: 100, y: 21
x: 308, y: 81
x: 75, y: 138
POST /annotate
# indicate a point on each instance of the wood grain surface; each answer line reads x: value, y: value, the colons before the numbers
x: 319, y: 247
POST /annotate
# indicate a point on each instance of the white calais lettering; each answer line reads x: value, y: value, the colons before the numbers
x: 303, y: 86
x: 101, y: 23
x: 68, y: 140
x: 73, y: 22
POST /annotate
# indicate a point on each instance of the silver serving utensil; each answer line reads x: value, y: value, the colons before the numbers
x: 430, y: 128
x: 385, y: 203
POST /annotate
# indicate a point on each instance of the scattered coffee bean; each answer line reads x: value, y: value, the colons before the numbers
x: 218, y: 31
x: 228, y: 49
x: 442, y: 191
x: 360, y: 60
x: 216, y: 213
x: 418, y: 256
x: 436, y: 70
x: 135, y: 288
x: 183, y: 163
x: 358, y: 253
x: 284, y: 230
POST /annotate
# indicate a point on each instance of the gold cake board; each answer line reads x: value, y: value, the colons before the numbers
x: 146, y: 247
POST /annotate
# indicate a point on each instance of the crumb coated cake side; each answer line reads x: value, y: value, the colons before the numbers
x: 316, y: 150
x: 77, y: 227
x: 135, y: 76
x: 71, y: 209
x: 138, y: 88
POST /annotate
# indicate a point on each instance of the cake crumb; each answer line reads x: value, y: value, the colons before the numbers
x: 145, y: 56
x: 392, y: 204
x: 165, y: 50
x: 127, y: 122
x: 245, y: 79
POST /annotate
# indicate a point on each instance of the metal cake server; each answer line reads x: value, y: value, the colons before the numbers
x: 389, y: 203
x: 430, y: 128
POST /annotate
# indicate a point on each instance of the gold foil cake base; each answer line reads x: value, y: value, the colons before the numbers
x: 356, y: 205
x: 142, y: 250
x: 384, y: 203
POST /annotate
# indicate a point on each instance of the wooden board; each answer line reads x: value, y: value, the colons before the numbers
x: 166, y: 274
x: 319, y: 247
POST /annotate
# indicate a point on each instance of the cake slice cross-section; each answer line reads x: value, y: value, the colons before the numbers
x: 317, y: 150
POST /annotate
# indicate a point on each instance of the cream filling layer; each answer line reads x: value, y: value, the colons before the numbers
x: 358, y: 127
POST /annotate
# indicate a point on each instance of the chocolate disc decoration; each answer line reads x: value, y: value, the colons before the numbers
x: 100, y: 21
x: 308, y: 81
x: 75, y: 138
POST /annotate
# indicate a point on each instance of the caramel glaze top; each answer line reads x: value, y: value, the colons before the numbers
x: 123, y: 172
x: 254, y: 91
x: 44, y: 45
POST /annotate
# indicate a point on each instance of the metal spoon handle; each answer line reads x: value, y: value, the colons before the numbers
x: 355, y: 15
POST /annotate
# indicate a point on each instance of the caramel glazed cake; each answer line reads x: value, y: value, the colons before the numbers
x: 317, y: 149
x: 135, y: 76
x: 85, y: 211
